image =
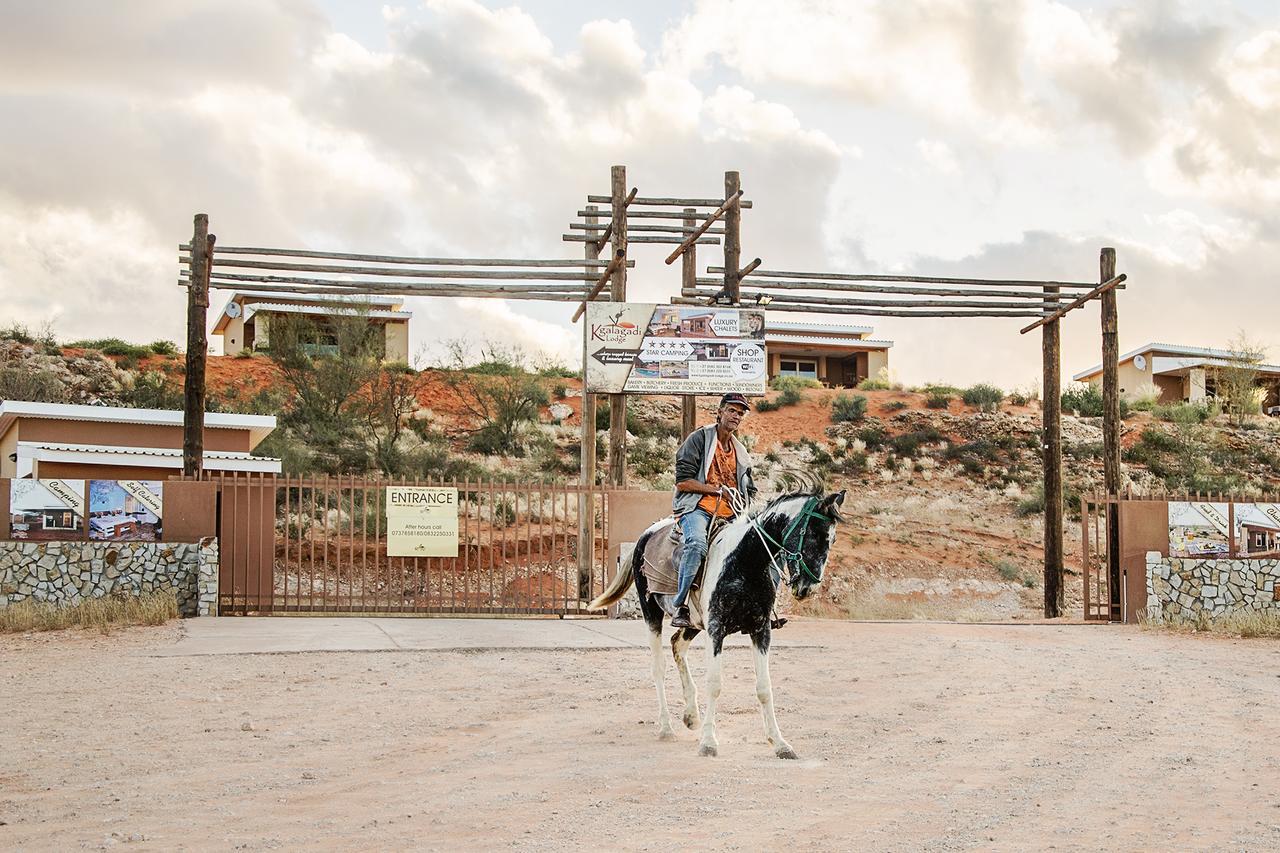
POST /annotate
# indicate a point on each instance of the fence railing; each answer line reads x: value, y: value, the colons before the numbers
x: 319, y: 544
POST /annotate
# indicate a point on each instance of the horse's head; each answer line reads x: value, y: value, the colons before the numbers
x: 807, y: 541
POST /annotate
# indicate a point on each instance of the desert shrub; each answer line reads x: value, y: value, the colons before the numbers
x: 872, y: 437
x: 399, y: 367
x: 163, y: 347
x: 153, y: 390
x: 986, y: 397
x: 560, y: 390
x: 1008, y: 570
x: 19, y: 382
x: 1084, y: 399
x: 1144, y: 397
x: 874, y: 385
x: 847, y: 408
x: 1186, y: 412
x: 937, y: 397
x: 908, y: 443
x: 896, y: 405
x: 782, y: 383
x: 104, y: 614
x: 18, y: 333
x: 1021, y: 397
x: 114, y: 346
x: 1084, y: 450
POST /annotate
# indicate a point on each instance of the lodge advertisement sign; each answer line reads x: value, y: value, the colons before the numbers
x: 126, y: 510
x: 46, y: 509
x: 422, y: 521
x: 1211, y: 530
x: 647, y: 348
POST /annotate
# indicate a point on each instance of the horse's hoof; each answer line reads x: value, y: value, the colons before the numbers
x: 692, y: 721
x: 786, y: 752
x: 707, y: 750
x: 666, y: 734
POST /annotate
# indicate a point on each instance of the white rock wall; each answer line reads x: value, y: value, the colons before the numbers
x: 1180, y: 588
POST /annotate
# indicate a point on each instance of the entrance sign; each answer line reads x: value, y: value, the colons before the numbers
x: 422, y: 521
x: 648, y: 348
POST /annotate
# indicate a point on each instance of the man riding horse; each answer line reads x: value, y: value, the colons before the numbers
x: 712, y: 471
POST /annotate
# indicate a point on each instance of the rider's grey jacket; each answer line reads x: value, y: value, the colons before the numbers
x: 693, y: 461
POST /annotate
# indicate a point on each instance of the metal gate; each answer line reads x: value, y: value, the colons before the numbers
x: 1099, y: 603
x: 319, y: 545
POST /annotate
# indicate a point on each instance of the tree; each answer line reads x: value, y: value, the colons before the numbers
x: 497, y: 391
x: 1236, y: 381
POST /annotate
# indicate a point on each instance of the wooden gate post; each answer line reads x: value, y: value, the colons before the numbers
x: 1051, y: 444
x: 1111, y: 427
x: 587, y: 469
x: 193, y: 390
x: 618, y: 402
x: 688, y: 282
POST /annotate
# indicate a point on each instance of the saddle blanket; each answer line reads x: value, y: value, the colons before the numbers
x: 661, y: 568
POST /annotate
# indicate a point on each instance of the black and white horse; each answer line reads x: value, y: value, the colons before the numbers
x: 786, y: 541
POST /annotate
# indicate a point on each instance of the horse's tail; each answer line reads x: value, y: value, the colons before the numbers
x: 622, y: 580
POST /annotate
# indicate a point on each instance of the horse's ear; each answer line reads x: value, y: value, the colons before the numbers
x: 831, y: 504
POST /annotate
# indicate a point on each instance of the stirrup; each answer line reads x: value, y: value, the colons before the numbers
x: 777, y: 622
x: 682, y: 614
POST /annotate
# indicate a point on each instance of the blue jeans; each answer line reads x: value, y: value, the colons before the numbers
x: 693, y: 525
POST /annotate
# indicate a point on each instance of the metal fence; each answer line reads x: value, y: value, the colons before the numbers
x: 319, y: 545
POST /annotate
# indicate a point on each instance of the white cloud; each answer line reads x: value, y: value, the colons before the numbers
x: 939, y: 156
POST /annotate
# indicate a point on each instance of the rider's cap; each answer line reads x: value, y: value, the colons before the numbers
x: 735, y: 397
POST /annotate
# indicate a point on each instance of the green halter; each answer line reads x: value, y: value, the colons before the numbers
x: 793, y: 558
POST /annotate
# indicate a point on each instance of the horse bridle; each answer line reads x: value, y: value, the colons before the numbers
x: 792, y: 558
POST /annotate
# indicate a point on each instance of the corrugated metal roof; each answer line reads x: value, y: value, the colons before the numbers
x: 137, y: 451
x: 796, y: 326
x: 281, y: 308
x: 1176, y: 349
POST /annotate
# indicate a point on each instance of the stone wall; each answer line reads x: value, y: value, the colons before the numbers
x: 71, y: 572
x: 1180, y: 589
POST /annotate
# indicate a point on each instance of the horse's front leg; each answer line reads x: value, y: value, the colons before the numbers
x: 764, y: 692
x: 659, y: 675
x: 715, y: 643
x: 680, y: 641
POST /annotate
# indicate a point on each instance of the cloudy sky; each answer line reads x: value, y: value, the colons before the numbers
x: 1009, y: 138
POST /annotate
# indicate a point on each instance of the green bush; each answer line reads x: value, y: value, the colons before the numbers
x: 399, y: 367
x: 114, y: 346
x: 163, y: 347
x: 18, y: 333
x: 1186, y: 413
x: 936, y: 397
x: 1019, y: 397
x: 908, y: 444
x: 986, y: 397
x: 1085, y: 400
x: 874, y: 385
x: 872, y: 436
x: 896, y: 405
x: 847, y: 408
x: 799, y: 383
x: 1008, y: 570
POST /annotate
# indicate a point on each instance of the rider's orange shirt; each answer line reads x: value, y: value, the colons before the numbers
x: 723, y: 472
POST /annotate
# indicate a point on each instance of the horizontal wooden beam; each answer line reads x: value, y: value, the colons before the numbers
x: 642, y: 238
x: 992, y: 282
x: 397, y: 259
x: 865, y: 312
x: 666, y: 229
x: 850, y: 287
x: 1109, y: 284
x: 267, y: 282
x: 748, y: 269
x: 639, y: 214
x: 405, y: 272
x: 676, y: 202
x: 427, y: 289
x: 790, y: 299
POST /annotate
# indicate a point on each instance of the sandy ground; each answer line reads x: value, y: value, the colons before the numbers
x: 911, y: 736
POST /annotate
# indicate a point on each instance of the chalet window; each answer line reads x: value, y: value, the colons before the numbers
x: 59, y: 520
x: 797, y: 367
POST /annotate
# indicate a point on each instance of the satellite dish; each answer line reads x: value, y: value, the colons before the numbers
x: 1140, y: 362
x: 233, y: 311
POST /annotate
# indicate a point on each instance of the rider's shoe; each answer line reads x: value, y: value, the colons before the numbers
x: 681, y: 619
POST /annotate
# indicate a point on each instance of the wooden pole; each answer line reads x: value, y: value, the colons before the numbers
x: 618, y: 402
x: 1051, y: 443
x: 1111, y: 426
x: 732, y: 237
x: 587, y: 470
x: 689, y: 275
x: 193, y: 390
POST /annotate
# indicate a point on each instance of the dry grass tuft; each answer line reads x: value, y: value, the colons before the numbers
x: 1248, y: 626
x: 105, y: 613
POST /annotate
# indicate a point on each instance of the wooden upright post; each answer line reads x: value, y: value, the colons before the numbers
x: 732, y: 239
x: 1111, y: 427
x: 618, y: 402
x: 193, y: 395
x: 1051, y: 444
x: 689, y: 281
x: 587, y: 469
